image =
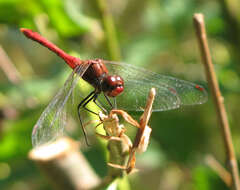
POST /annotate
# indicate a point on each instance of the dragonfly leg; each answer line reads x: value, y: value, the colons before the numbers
x: 90, y: 96
x: 108, y: 100
x: 90, y: 99
x: 99, y: 104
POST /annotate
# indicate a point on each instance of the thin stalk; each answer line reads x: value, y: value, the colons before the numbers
x: 9, y: 68
x: 110, y: 31
x: 217, y: 97
x: 219, y: 169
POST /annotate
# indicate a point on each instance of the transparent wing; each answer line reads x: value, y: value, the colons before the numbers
x: 170, y: 92
x: 51, y: 123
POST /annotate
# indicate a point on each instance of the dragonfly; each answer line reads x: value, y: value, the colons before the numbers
x: 126, y: 84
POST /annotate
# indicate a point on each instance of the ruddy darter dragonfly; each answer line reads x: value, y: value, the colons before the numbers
x: 128, y: 83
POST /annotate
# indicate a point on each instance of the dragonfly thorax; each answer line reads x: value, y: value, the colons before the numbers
x: 97, y: 75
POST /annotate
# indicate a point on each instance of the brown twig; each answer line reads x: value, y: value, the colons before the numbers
x: 219, y: 169
x: 217, y: 97
x: 119, y: 144
x: 9, y: 68
x: 146, y: 114
x: 64, y: 166
x: 143, y: 134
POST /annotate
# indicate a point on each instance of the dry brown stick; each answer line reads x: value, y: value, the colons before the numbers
x: 217, y: 97
x: 8, y: 67
x: 64, y: 166
x: 145, y: 117
x: 143, y: 134
x: 219, y: 169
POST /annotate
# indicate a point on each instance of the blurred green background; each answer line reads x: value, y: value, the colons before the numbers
x: 155, y: 34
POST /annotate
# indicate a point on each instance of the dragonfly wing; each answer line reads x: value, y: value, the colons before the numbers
x: 52, y: 121
x: 170, y: 92
x: 135, y: 95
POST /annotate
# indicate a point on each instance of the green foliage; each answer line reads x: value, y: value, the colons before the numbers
x: 205, y: 179
x: 64, y: 16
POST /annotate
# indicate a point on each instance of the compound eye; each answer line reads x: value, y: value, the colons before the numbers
x: 115, y: 85
x: 112, y: 81
x: 116, y: 91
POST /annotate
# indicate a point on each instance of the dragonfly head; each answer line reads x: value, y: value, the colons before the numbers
x: 113, y: 85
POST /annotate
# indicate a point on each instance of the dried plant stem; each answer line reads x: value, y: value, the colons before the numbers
x: 122, y: 152
x: 118, y: 154
x: 219, y: 169
x: 9, y: 68
x: 64, y: 166
x: 144, y: 118
x: 110, y: 31
x: 217, y: 97
x: 141, y: 140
